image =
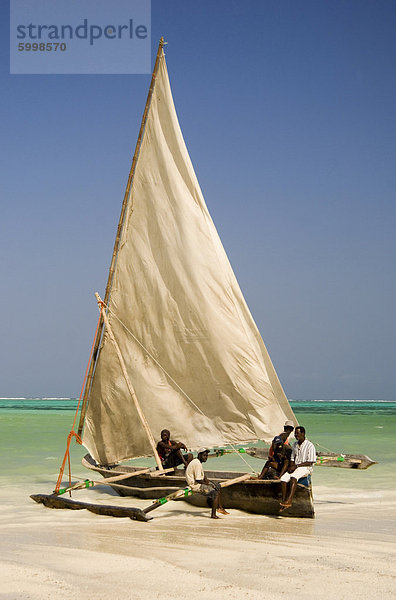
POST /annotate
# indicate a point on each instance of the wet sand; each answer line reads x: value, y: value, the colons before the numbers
x: 347, y: 551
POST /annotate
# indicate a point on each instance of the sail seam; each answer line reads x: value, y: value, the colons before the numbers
x: 259, y: 357
x: 209, y: 221
x: 171, y: 379
x: 157, y: 363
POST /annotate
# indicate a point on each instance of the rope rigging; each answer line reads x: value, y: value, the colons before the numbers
x: 108, y: 309
x: 72, y: 432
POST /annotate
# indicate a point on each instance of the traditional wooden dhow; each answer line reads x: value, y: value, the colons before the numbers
x: 176, y: 345
x: 252, y: 495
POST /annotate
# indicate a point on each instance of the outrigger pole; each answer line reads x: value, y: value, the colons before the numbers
x: 118, y: 236
x: 109, y: 330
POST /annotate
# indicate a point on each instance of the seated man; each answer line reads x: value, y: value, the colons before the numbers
x: 199, y: 483
x: 170, y: 452
x: 279, y: 461
x: 302, y: 461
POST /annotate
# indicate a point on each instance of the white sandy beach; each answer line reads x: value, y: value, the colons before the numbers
x: 347, y: 551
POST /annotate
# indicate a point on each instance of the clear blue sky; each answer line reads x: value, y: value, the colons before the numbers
x: 288, y: 111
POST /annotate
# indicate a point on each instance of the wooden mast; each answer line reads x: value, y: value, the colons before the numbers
x: 118, y: 236
x: 128, y: 382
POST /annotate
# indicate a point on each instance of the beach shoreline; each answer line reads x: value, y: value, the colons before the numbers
x: 346, y: 550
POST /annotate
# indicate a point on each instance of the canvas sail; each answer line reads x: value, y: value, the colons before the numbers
x: 192, y: 350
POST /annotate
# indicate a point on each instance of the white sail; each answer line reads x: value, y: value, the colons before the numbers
x: 196, y: 359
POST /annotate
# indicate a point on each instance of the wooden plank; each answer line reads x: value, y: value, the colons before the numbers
x: 118, y: 236
x: 129, y: 383
x: 229, y: 482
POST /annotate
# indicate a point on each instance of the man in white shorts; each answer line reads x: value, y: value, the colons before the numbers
x: 302, y: 461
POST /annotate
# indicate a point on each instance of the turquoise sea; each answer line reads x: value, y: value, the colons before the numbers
x: 33, y: 434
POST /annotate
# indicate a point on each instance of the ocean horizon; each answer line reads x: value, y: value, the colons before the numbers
x: 290, y: 399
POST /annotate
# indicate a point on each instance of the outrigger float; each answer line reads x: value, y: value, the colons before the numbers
x: 323, y: 458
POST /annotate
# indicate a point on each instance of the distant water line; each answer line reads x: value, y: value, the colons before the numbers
x: 299, y: 406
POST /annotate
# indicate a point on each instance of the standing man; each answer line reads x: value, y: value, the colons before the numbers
x: 199, y: 483
x: 301, y: 465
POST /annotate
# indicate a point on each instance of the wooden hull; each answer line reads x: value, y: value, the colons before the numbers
x: 254, y: 496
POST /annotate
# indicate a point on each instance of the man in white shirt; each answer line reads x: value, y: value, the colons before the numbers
x: 301, y: 465
x: 199, y: 483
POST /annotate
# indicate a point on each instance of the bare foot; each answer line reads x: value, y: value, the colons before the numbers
x: 222, y: 511
x: 214, y: 517
x: 284, y: 507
